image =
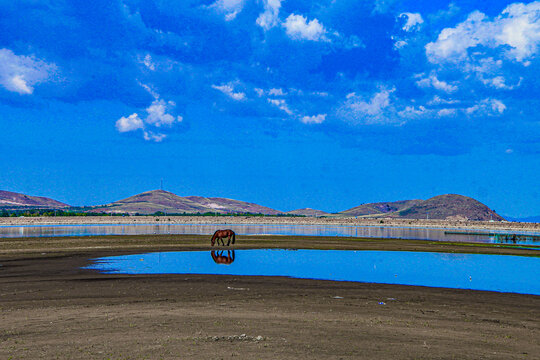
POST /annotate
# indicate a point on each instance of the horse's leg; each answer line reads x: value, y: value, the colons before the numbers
x: 222, y: 242
x: 229, y: 242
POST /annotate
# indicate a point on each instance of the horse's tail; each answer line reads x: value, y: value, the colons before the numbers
x: 213, y: 240
x: 233, y: 237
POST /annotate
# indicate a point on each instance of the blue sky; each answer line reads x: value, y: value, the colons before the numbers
x: 289, y: 104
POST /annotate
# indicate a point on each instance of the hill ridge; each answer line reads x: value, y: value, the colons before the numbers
x: 9, y: 199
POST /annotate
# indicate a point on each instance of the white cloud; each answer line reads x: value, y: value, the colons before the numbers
x: 447, y: 112
x: 229, y: 91
x: 298, y: 28
x: 320, y: 93
x: 411, y: 112
x: 20, y: 73
x: 147, y: 61
x: 490, y: 107
x: 433, y: 81
x: 157, y: 116
x: 151, y: 136
x: 438, y: 101
x: 399, y: 44
x: 259, y: 91
x: 150, y: 90
x: 382, y: 6
x: 230, y: 8
x: 315, y: 119
x: 370, y: 112
x: 276, y: 92
x: 269, y: 18
x: 281, y: 104
x: 130, y: 123
x: 516, y: 31
x: 414, y: 20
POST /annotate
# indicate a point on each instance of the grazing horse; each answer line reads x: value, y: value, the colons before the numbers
x: 220, y: 234
x: 220, y: 258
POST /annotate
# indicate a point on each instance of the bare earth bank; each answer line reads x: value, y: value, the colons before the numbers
x: 51, y: 308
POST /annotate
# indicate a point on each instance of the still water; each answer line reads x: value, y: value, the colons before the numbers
x: 503, y: 273
x: 256, y: 229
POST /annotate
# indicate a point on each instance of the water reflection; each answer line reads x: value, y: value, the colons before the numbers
x: 220, y: 258
x: 503, y: 273
x: 528, y: 238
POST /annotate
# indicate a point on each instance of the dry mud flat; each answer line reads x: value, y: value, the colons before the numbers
x: 51, y: 308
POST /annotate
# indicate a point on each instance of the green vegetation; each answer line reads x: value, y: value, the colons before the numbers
x: 86, y: 212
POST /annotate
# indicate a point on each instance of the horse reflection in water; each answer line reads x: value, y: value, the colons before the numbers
x: 219, y: 257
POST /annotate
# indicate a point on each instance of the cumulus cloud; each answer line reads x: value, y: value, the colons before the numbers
x: 276, y: 92
x: 269, y: 18
x: 433, y: 81
x: 315, y: 119
x: 516, y: 31
x: 489, y: 107
x: 412, y: 112
x: 131, y: 123
x: 299, y: 28
x: 372, y: 111
x: 229, y: 91
x: 157, y: 116
x: 230, y: 8
x: 151, y: 136
x: 20, y: 73
x: 413, y: 21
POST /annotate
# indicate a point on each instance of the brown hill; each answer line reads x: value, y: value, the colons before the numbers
x: 449, y: 207
x: 380, y: 208
x: 308, y: 212
x: 12, y: 200
x: 159, y: 200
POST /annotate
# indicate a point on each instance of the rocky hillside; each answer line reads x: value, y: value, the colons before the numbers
x: 380, y: 208
x: 12, y: 200
x: 449, y: 207
x: 308, y: 212
x: 159, y: 200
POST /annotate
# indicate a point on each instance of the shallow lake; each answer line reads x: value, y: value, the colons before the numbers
x: 527, y: 238
x: 503, y: 273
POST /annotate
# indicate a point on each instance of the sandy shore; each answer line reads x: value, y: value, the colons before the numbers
x: 468, y: 225
x: 51, y: 308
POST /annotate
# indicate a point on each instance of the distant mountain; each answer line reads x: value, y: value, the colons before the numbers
x: 445, y: 207
x: 308, y: 212
x: 380, y: 208
x: 159, y: 200
x: 11, y: 200
x: 450, y: 207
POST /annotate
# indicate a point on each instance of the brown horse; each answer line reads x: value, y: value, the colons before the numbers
x: 220, y: 234
x: 219, y: 257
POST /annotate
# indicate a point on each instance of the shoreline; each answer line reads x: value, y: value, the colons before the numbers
x: 53, y: 308
x: 382, y: 222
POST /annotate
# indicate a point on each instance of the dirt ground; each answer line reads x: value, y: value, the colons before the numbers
x: 50, y: 308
